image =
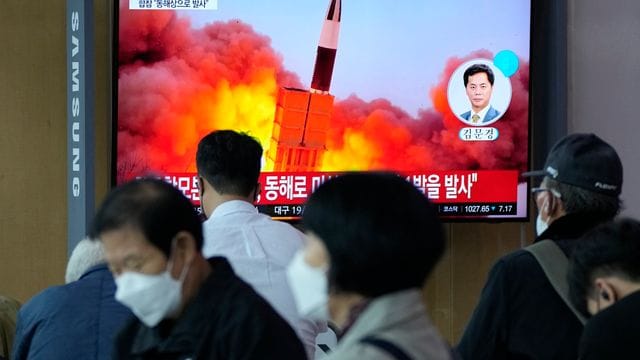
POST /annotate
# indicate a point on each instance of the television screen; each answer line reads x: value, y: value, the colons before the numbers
x: 436, y: 91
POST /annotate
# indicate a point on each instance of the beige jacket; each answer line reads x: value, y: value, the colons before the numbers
x: 399, y: 318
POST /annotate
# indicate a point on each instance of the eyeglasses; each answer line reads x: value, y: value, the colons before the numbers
x: 536, y: 190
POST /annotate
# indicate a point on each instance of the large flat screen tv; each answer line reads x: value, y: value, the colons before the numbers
x: 437, y: 91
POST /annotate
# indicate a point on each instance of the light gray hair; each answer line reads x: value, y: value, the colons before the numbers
x: 578, y: 200
x: 86, y: 254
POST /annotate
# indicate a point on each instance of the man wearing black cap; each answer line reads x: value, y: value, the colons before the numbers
x: 520, y: 314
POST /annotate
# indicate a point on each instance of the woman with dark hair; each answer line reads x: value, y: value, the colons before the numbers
x: 372, y: 241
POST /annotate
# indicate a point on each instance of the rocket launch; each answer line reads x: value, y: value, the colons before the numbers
x: 327, y: 47
x: 302, y: 117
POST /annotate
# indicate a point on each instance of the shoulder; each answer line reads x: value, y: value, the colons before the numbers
x: 286, y: 228
x: 42, y: 310
x: 47, y: 300
x: 492, y: 113
x: 518, y: 260
x: 513, y: 273
x: 267, y: 228
x: 398, y: 321
x: 465, y: 115
x: 415, y: 350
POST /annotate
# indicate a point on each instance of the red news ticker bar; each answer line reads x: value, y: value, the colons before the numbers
x: 461, y: 186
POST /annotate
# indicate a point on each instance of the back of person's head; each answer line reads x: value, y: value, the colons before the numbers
x: 381, y: 233
x: 587, y: 173
x: 610, y: 249
x: 475, y: 69
x: 87, y: 254
x: 155, y: 208
x: 229, y: 161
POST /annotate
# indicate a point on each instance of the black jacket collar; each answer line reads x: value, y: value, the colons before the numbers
x: 184, y: 333
x: 570, y: 226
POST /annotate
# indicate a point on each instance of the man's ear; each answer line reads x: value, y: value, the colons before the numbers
x: 606, y: 292
x: 184, y: 252
x: 201, y: 186
x: 556, y: 206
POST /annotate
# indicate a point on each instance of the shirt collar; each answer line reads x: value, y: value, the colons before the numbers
x: 385, y: 312
x: 481, y: 113
x: 233, y: 206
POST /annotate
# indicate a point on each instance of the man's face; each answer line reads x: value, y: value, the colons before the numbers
x: 127, y: 249
x: 479, y: 91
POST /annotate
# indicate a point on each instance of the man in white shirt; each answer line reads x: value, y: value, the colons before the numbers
x: 258, y: 248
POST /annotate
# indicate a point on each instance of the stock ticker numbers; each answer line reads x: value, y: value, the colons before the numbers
x: 477, y: 209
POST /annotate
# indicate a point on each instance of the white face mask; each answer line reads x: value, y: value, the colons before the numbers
x: 309, y: 287
x: 150, y: 297
x: 541, y: 225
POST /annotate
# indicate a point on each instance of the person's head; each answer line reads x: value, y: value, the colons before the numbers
x: 478, y: 82
x: 229, y: 166
x: 606, y: 265
x: 152, y: 239
x: 87, y: 254
x: 377, y: 232
x: 582, y: 174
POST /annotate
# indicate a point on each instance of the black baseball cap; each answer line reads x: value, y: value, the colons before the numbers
x: 586, y: 161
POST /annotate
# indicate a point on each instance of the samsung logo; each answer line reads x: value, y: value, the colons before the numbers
x: 75, y: 105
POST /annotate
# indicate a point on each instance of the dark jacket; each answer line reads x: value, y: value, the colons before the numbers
x: 226, y: 320
x: 519, y: 314
x: 78, y: 320
x: 613, y: 333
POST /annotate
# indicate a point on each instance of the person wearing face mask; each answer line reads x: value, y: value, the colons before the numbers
x: 373, y: 239
x: 520, y: 315
x: 186, y: 307
x: 604, y: 281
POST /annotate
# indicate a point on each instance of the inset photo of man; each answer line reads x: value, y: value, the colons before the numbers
x: 478, y: 93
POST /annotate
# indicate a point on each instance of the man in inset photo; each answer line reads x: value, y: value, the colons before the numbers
x: 478, y: 81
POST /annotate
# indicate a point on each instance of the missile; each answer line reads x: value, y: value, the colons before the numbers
x: 327, y: 46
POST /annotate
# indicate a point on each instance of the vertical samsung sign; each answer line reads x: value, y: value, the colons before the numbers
x: 80, y: 118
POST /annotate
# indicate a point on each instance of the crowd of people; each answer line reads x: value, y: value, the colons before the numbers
x: 152, y: 281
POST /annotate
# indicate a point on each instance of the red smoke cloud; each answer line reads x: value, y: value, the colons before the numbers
x: 177, y: 83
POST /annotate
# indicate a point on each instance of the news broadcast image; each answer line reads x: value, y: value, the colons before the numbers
x: 327, y: 87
